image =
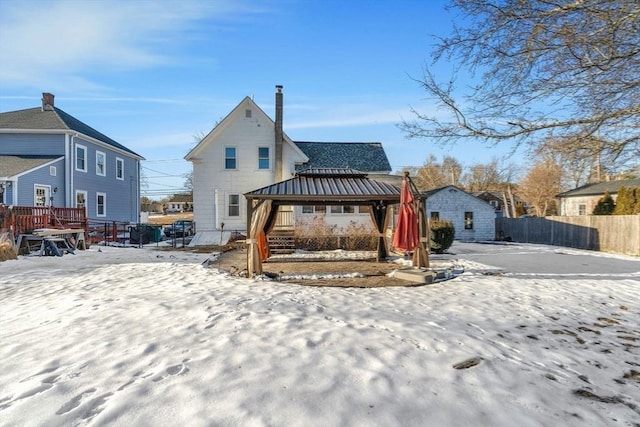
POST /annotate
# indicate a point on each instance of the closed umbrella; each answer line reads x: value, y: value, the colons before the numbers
x: 406, y: 233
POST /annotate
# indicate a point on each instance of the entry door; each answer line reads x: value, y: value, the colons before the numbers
x: 42, y: 195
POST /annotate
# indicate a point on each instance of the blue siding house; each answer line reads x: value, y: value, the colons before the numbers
x: 50, y: 158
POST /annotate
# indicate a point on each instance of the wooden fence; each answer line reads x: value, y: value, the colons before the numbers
x: 606, y: 233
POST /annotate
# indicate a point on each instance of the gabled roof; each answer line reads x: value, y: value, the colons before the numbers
x: 433, y: 191
x: 363, y: 156
x: 11, y: 166
x: 247, y: 102
x: 54, y: 119
x: 328, y: 185
x: 599, y: 188
x: 453, y: 189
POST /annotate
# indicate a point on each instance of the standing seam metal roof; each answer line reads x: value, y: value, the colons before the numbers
x: 331, y: 185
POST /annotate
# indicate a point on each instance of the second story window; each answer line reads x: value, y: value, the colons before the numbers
x: 263, y: 157
x: 435, y: 216
x: 230, y: 159
x: 81, y: 158
x: 101, y: 160
x: 119, y: 168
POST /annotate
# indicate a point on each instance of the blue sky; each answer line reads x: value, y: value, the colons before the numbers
x: 153, y: 75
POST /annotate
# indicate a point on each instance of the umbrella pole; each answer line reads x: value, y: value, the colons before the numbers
x: 421, y: 254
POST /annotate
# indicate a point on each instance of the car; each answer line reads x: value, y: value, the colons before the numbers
x: 180, y: 228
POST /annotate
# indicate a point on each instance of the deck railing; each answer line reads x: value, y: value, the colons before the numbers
x: 284, y: 219
x: 25, y: 219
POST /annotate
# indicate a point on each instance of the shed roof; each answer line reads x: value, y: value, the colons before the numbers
x: 599, y: 188
x: 328, y: 186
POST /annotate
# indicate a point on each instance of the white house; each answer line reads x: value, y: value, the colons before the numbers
x: 248, y: 150
x: 473, y: 218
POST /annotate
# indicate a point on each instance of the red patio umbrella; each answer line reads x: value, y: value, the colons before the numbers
x: 406, y: 234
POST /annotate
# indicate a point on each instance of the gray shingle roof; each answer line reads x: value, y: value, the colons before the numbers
x: 13, y: 165
x: 56, y: 119
x: 599, y: 188
x: 362, y: 156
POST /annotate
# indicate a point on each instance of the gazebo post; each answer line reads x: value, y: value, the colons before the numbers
x: 249, y: 217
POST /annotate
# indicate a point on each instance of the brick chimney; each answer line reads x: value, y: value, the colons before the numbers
x: 47, y: 101
x: 279, y: 134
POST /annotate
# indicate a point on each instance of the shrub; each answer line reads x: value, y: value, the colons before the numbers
x: 605, y: 205
x: 441, y: 233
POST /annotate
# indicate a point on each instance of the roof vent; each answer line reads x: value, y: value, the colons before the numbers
x: 47, y: 101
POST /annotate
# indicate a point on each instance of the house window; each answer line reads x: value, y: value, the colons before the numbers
x: 101, y: 204
x: 119, y: 168
x: 52, y: 171
x: 468, y: 220
x: 263, y: 157
x: 435, y: 216
x: 307, y: 209
x: 81, y: 199
x: 234, y: 205
x: 342, y: 209
x: 364, y: 209
x: 81, y: 158
x: 582, y: 209
x: 230, y: 161
x: 41, y: 195
x: 247, y: 113
x: 101, y: 159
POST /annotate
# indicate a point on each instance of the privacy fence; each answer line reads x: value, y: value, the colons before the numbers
x: 606, y: 233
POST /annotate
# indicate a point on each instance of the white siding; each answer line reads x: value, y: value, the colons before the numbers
x: 213, y: 184
x: 451, y: 203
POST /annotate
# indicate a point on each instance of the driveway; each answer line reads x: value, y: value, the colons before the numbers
x: 523, y: 259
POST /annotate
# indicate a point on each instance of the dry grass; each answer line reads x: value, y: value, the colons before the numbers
x: 8, y: 249
x: 169, y: 218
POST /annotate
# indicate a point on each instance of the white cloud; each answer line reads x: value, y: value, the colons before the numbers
x: 58, y: 41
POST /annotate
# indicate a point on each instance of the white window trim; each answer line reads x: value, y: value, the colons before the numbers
x: 268, y: 158
x: 53, y: 171
x: 84, y: 149
x: 104, y: 196
x: 342, y: 212
x: 229, y: 205
x: 47, y: 188
x: 86, y: 195
x: 104, y: 165
x: 224, y: 158
x: 118, y: 161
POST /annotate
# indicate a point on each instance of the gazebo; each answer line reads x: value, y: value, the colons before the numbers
x: 319, y: 186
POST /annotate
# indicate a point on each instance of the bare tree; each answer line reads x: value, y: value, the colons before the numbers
x: 491, y: 176
x: 563, y: 68
x: 540, y: 186
x: 434, y: 174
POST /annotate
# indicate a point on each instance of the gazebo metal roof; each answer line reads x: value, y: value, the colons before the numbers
x: 328, y: 186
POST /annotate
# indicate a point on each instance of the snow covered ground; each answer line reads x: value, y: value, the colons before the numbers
x: 141, y: 337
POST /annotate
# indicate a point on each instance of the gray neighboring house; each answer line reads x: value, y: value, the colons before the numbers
x: 581, y: 201
x: 473, y: 218
x: 50, y: 158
